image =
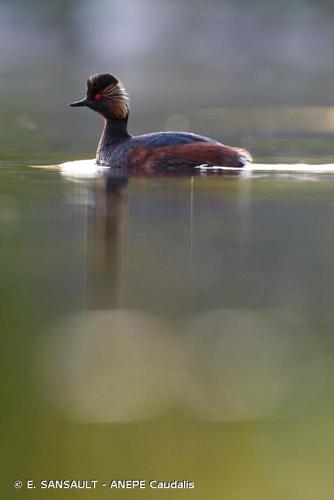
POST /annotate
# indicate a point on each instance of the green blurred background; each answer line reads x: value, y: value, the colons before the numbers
x: 256, y: 73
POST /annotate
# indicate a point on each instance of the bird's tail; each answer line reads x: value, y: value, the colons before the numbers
x: 245, y: 158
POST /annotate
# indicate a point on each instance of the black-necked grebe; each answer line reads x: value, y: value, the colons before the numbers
x: 162, y: 150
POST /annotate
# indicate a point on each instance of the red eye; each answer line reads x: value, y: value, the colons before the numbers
x: 98, y: 97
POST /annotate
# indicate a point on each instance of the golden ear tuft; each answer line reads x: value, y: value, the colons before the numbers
x: 117, y: 99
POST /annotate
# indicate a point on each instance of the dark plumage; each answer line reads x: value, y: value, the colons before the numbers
x: 163, y: 150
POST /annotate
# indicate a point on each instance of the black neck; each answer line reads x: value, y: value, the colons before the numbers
x: 114, y: 131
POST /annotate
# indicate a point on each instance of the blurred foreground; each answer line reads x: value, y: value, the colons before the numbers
x: 168, y: 328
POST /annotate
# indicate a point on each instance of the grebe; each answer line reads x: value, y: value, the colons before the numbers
x: 162, y: 150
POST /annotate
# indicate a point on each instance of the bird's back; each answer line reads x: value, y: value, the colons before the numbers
x: 175, y: 151
x: 165, y: 139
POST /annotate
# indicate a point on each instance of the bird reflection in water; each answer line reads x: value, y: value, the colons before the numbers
x: 107, y: 220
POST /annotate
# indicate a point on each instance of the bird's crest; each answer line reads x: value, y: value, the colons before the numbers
x: 107, y: 88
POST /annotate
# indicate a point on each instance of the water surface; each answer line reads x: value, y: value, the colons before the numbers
x: 168, y: 328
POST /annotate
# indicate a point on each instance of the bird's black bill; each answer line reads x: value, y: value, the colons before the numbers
x: 76, y: 104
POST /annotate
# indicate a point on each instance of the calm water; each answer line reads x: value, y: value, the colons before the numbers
x: 169, y: 329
